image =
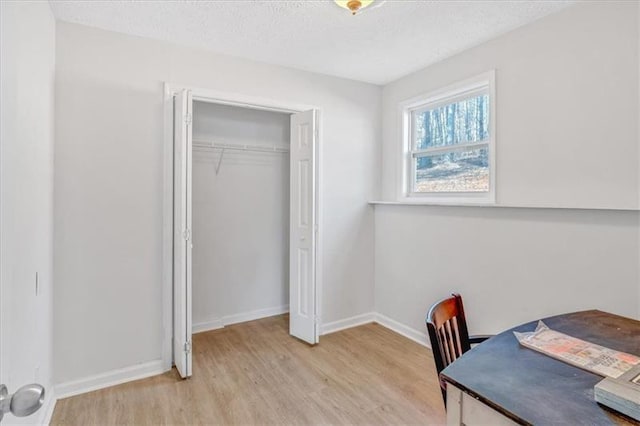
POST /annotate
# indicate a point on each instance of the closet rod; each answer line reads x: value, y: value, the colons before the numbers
x: 240, y: 147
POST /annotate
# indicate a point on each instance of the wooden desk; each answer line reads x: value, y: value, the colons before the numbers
x: 501, y: 382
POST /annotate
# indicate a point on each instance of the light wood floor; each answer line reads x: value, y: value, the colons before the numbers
x: 255, y: 373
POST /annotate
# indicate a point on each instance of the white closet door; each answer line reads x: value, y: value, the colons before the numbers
x: 302, y: 251
x: 183, y: 105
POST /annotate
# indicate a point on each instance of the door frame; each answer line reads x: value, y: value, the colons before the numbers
x: 237, y: 100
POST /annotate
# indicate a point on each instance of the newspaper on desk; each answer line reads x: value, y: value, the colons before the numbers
x: 588, y: 356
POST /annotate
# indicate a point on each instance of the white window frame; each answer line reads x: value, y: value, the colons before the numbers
x: 480, y: 84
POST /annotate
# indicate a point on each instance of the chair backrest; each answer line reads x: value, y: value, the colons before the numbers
x: 448, y: 332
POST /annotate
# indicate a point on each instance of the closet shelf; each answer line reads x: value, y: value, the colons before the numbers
x: 241, y: 147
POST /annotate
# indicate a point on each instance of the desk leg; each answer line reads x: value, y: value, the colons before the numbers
x: 454, y: 406
x: 464, y: 410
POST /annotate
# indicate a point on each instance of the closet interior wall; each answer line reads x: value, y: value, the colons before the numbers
x: 240, y: 215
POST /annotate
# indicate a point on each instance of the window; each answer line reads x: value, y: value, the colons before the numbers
x: 449, y: 148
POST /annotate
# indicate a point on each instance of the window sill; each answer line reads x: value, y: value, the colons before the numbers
x: 485, y: 205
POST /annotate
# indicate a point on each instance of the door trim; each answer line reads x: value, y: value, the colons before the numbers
x: 244, y: 101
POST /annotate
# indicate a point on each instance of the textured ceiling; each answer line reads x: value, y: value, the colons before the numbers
x: 386, y: 41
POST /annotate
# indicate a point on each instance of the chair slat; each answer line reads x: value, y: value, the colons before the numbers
x: 443, y: 338
x: 452, y: 349
x: 454, y: 320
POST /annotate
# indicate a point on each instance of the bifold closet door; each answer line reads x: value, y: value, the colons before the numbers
x: 302, y: 250
x: 182, y: 245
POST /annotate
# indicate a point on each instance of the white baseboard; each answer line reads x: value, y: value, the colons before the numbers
x: 238, y: 318
x: 46, y: 411
x: 207, y: 326
x: 417, y: 336
x: 110, y: 378
x: 343, y: 324
x: 404, y: 330
x: 254, y: 315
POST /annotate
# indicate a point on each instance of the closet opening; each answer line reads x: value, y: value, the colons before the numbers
x: 240, y: 214
x: 244, y: 200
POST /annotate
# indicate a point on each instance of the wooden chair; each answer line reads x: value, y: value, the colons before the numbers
x: 448, y: 334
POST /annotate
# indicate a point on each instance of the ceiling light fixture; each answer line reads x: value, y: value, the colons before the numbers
x: 353, y: 5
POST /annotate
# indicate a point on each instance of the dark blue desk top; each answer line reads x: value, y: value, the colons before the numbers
x: 532, y: 388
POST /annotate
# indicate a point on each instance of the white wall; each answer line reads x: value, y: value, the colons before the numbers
x: 567, y: 98
x: 109, y: 183
x: 510, y: 265
x: 575, y: 74
x: 240, y: 215
x: 27, y: 66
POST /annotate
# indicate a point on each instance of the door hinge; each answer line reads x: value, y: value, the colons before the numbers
x: 186, y: 234
x: 188, y: 119
x: 187, y: 347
